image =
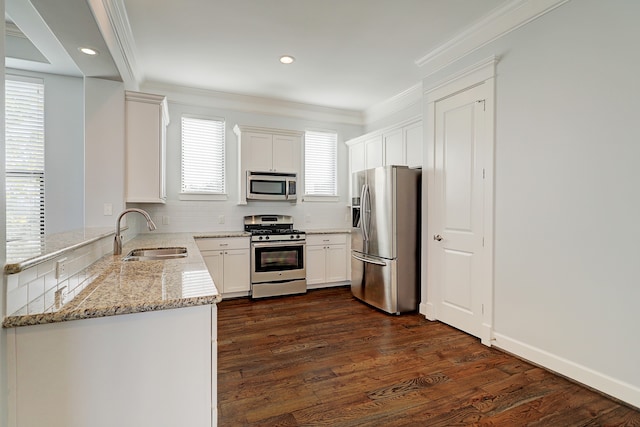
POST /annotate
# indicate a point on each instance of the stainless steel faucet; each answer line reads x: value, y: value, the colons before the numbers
x: 117, y: 243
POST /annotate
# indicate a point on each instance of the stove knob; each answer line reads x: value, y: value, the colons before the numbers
x: 298, y: 236
x: 260, y: 238
x: 291, y: 236
x: 266, y: 237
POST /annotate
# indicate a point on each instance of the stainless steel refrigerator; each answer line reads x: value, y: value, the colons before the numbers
x: 385, y: 238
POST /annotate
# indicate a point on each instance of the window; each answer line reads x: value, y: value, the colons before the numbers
x: 320, y: 163
x: 203, y: 156
x: 24, y: 135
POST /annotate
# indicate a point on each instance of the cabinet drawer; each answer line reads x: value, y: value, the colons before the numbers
x: 216, y: 243
x: 326, y: 239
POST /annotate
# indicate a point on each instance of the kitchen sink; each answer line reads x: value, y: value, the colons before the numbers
x: 150, y: 254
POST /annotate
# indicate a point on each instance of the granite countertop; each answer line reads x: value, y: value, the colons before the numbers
x: 124, y: 287
x: 329, y: 231
x: 220, y: 234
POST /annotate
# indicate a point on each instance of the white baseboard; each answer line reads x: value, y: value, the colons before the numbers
x: 613, y: 387
x: 427, y: 310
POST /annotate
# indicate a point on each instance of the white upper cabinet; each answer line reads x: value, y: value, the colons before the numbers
x: 412, y: 144
x: 394, y: 148
x: 356, y: 157
x: 267, y: 150
x: 373, y: 152
x: 146, y: 121
x: 400, y: 144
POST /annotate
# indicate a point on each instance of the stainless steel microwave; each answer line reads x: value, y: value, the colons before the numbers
x: 271, y: 186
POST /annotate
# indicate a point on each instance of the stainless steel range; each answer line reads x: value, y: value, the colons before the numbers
x: 278, y: 256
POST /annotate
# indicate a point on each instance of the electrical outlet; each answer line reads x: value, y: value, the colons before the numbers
x: 61, y: 268
x: 165, y: 220
x: 220, y: 219
x: 108, y: 209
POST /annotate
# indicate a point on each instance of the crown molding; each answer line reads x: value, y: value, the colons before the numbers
x: 386, y: 129
x: 111, y: 17
x: 405, y: 99
x: 498, y: 23
x: 251, y: 104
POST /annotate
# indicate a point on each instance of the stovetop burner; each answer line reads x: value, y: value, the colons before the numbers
x: 272, y: 228
x: 263, y: 231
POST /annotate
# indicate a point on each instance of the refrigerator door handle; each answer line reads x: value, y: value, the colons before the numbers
x: 364, y: 210
x: 369, y: 261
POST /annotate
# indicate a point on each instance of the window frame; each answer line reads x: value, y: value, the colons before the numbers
x: 203, y: 195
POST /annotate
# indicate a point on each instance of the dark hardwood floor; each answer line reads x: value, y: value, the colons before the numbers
x: 326, y: 359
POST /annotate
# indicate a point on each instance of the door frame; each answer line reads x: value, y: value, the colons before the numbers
x: 481, y: 73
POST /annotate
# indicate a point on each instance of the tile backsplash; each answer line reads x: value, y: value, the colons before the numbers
x: 45, y: 287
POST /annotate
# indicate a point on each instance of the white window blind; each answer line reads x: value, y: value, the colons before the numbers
x: 24, y: 141
x: 320, y: 163
x: 202, y: 156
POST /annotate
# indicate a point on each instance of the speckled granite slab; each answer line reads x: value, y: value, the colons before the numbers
x: 123, y: 287
x: 329, y: 231
x: 221, y: 234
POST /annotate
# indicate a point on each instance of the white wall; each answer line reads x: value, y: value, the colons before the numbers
x: 64, y: 150
x: 104, y: 150
x: 3, y: 238
x: 203, y: 215
x: 567, y: 257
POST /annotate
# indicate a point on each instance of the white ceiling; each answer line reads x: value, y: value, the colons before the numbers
x: 351, y: 54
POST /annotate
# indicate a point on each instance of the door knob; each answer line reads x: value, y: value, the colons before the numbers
x: 437, y: 237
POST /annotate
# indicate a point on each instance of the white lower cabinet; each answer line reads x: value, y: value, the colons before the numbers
x: 327, y: 258
x: 145, y: 369
x: 229, y: 262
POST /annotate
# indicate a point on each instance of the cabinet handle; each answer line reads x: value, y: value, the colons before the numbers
x: 224, y: 244
x: 226, y: 253
x: 325, y: 240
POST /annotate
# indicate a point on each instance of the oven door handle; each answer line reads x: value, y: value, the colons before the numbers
x: 278, y: 243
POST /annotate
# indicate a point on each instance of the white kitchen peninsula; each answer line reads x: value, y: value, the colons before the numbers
x: 137, y: 346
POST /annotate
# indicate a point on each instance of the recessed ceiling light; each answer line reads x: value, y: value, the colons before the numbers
x: 287, y: 59
x: 88, y: 51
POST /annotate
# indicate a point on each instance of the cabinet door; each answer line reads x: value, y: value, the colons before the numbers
x: 259, y: 147
x: 413, y: 144
x: 315, y: 264
x: 336, y: 261
x: 394, y: 153
x: 356, y: 157
x: 213, y: 260
x: 373, y: 153
x: 236, y: 270
x: 144, y: 152
x: 284, y: 153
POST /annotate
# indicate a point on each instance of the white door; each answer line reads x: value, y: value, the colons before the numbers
x: 457, y: 220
